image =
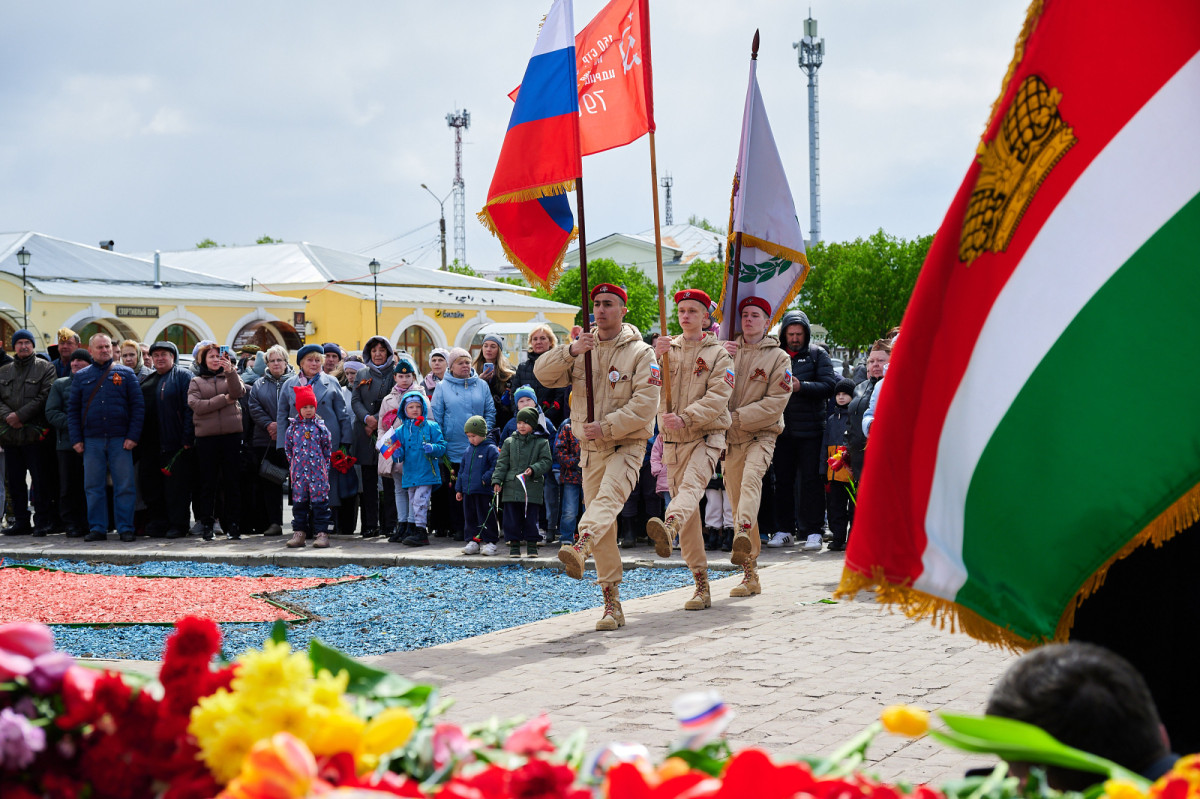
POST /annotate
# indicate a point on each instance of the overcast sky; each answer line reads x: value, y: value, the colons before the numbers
x: 160, y: 123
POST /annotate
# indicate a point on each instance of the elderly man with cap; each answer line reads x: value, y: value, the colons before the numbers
x: 626, y: 381
x: 756, y: 420
x: 68, y: 344
x: 692, y: 425
x: 104, y: 415
x: 165, y: 452
x: 72, y: 509
x: 24, y: 387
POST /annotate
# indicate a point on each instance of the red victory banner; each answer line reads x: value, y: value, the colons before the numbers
x: 616, y: 100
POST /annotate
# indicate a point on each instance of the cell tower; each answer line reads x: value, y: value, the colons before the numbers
x: 667, y: 182
x: 811, y: 53
x: 459, y: 120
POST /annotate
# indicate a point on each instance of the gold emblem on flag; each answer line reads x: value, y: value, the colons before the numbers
x: 1031, y: 140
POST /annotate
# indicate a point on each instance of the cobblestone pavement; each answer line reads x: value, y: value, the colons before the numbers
x: 802, y: 675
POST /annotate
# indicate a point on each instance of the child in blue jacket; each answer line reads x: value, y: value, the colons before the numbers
x: 474, y: 489
x: 421, y: 448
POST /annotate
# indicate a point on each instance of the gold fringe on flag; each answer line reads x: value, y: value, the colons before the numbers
x: 1182, y: 513
x: 527, y: 195
x: 1032, y: 15
x: 786, y: 253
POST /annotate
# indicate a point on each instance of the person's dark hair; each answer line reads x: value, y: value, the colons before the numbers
x: 891, y: 334
x: 1087, y: 697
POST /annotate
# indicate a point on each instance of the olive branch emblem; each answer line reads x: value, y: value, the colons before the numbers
x: 761, y: 273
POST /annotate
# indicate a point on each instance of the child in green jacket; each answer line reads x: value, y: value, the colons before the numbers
x: 518, y: 478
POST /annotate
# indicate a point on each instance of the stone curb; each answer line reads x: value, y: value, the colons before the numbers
x: 319, y: 559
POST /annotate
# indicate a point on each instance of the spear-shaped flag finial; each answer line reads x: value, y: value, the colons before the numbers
x: 754, y: 47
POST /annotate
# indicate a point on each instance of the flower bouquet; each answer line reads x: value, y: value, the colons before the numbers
x: 279, y: 724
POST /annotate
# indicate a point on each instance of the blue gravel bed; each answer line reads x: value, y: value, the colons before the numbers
x: 408, y: 607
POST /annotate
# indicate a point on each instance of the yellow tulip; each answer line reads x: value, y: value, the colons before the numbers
x: 388, y: 731
x: 336, y: 731
x: 905, y: 720
x: 1119, y: 789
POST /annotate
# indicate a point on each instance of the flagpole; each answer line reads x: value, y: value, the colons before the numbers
x: 585, y: 291
x: 731, y: 308
x: 662, y: 292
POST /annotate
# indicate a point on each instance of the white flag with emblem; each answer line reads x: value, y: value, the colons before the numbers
x: 773, y: 263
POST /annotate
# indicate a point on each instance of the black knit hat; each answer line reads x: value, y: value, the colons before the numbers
x: 844, y: 386
x: 81, y: 355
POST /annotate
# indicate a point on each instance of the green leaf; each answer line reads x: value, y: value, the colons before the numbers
x: 1017, y: 741
x: 572, y: 750
x: 279, y: 632
x: 390, y: 689
x: 710, y: 758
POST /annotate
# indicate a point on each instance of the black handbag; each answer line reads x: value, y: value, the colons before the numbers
x: 272, y: 472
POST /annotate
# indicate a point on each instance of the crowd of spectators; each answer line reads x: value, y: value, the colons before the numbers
x: 129, y: 437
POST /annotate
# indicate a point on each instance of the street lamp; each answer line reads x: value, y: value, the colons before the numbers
x: 23, y: 256
x: 441, y: 204
x: 374, y: 267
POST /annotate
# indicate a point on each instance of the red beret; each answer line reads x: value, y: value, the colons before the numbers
x: 609, y: 288
x: 757, y: 302
x: 695, y: 295
x: 305, y: 396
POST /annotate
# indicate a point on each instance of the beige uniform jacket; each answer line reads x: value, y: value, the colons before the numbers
x: 762, y: 390
x: 702, y: 379
x: 625, y: 382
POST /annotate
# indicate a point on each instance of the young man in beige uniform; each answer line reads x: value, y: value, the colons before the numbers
x: 693, y: 429
x: 625, y: 381
x: 756, y: 410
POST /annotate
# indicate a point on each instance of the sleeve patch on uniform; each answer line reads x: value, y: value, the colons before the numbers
x: 729, y: 377
x: 655, y: 375
x: 786, y: 382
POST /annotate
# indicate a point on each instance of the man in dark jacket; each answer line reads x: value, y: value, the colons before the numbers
x: 165, y: 451
x: 72, y: 509
x: 24, y: 387
x: 798, y: 456
x: 104, y: 416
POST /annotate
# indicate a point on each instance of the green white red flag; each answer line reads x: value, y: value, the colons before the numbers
x: 1020, y: 447
x: 773, y: 262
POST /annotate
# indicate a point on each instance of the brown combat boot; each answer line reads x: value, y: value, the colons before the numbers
x: 701, y: 599
x: 661, y: 533
x: 574, y: 556
x: 613, y: 616
x: 742, y: 545
x: 749, y: 586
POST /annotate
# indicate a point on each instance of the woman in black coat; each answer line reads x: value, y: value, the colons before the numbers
x: 374, y: 383
x: 552, y: 401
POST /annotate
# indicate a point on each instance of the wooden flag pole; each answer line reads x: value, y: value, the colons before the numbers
x: 731, y: 308
x: 586, y: 301
x: 662, y: 291
x: 731, y: 312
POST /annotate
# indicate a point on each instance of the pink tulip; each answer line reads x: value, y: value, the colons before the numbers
x: 20, y: 643
x: 530, y: 738
x: 48, y: 671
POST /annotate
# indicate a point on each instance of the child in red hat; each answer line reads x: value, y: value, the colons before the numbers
x: 309, y: 446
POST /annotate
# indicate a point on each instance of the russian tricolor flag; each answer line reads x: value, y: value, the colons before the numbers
x: 540, y: 159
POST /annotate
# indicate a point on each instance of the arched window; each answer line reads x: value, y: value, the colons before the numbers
x: 92, y: 328
x: 417, y: 342
x: 182, y: 336
x: 6, y: 331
